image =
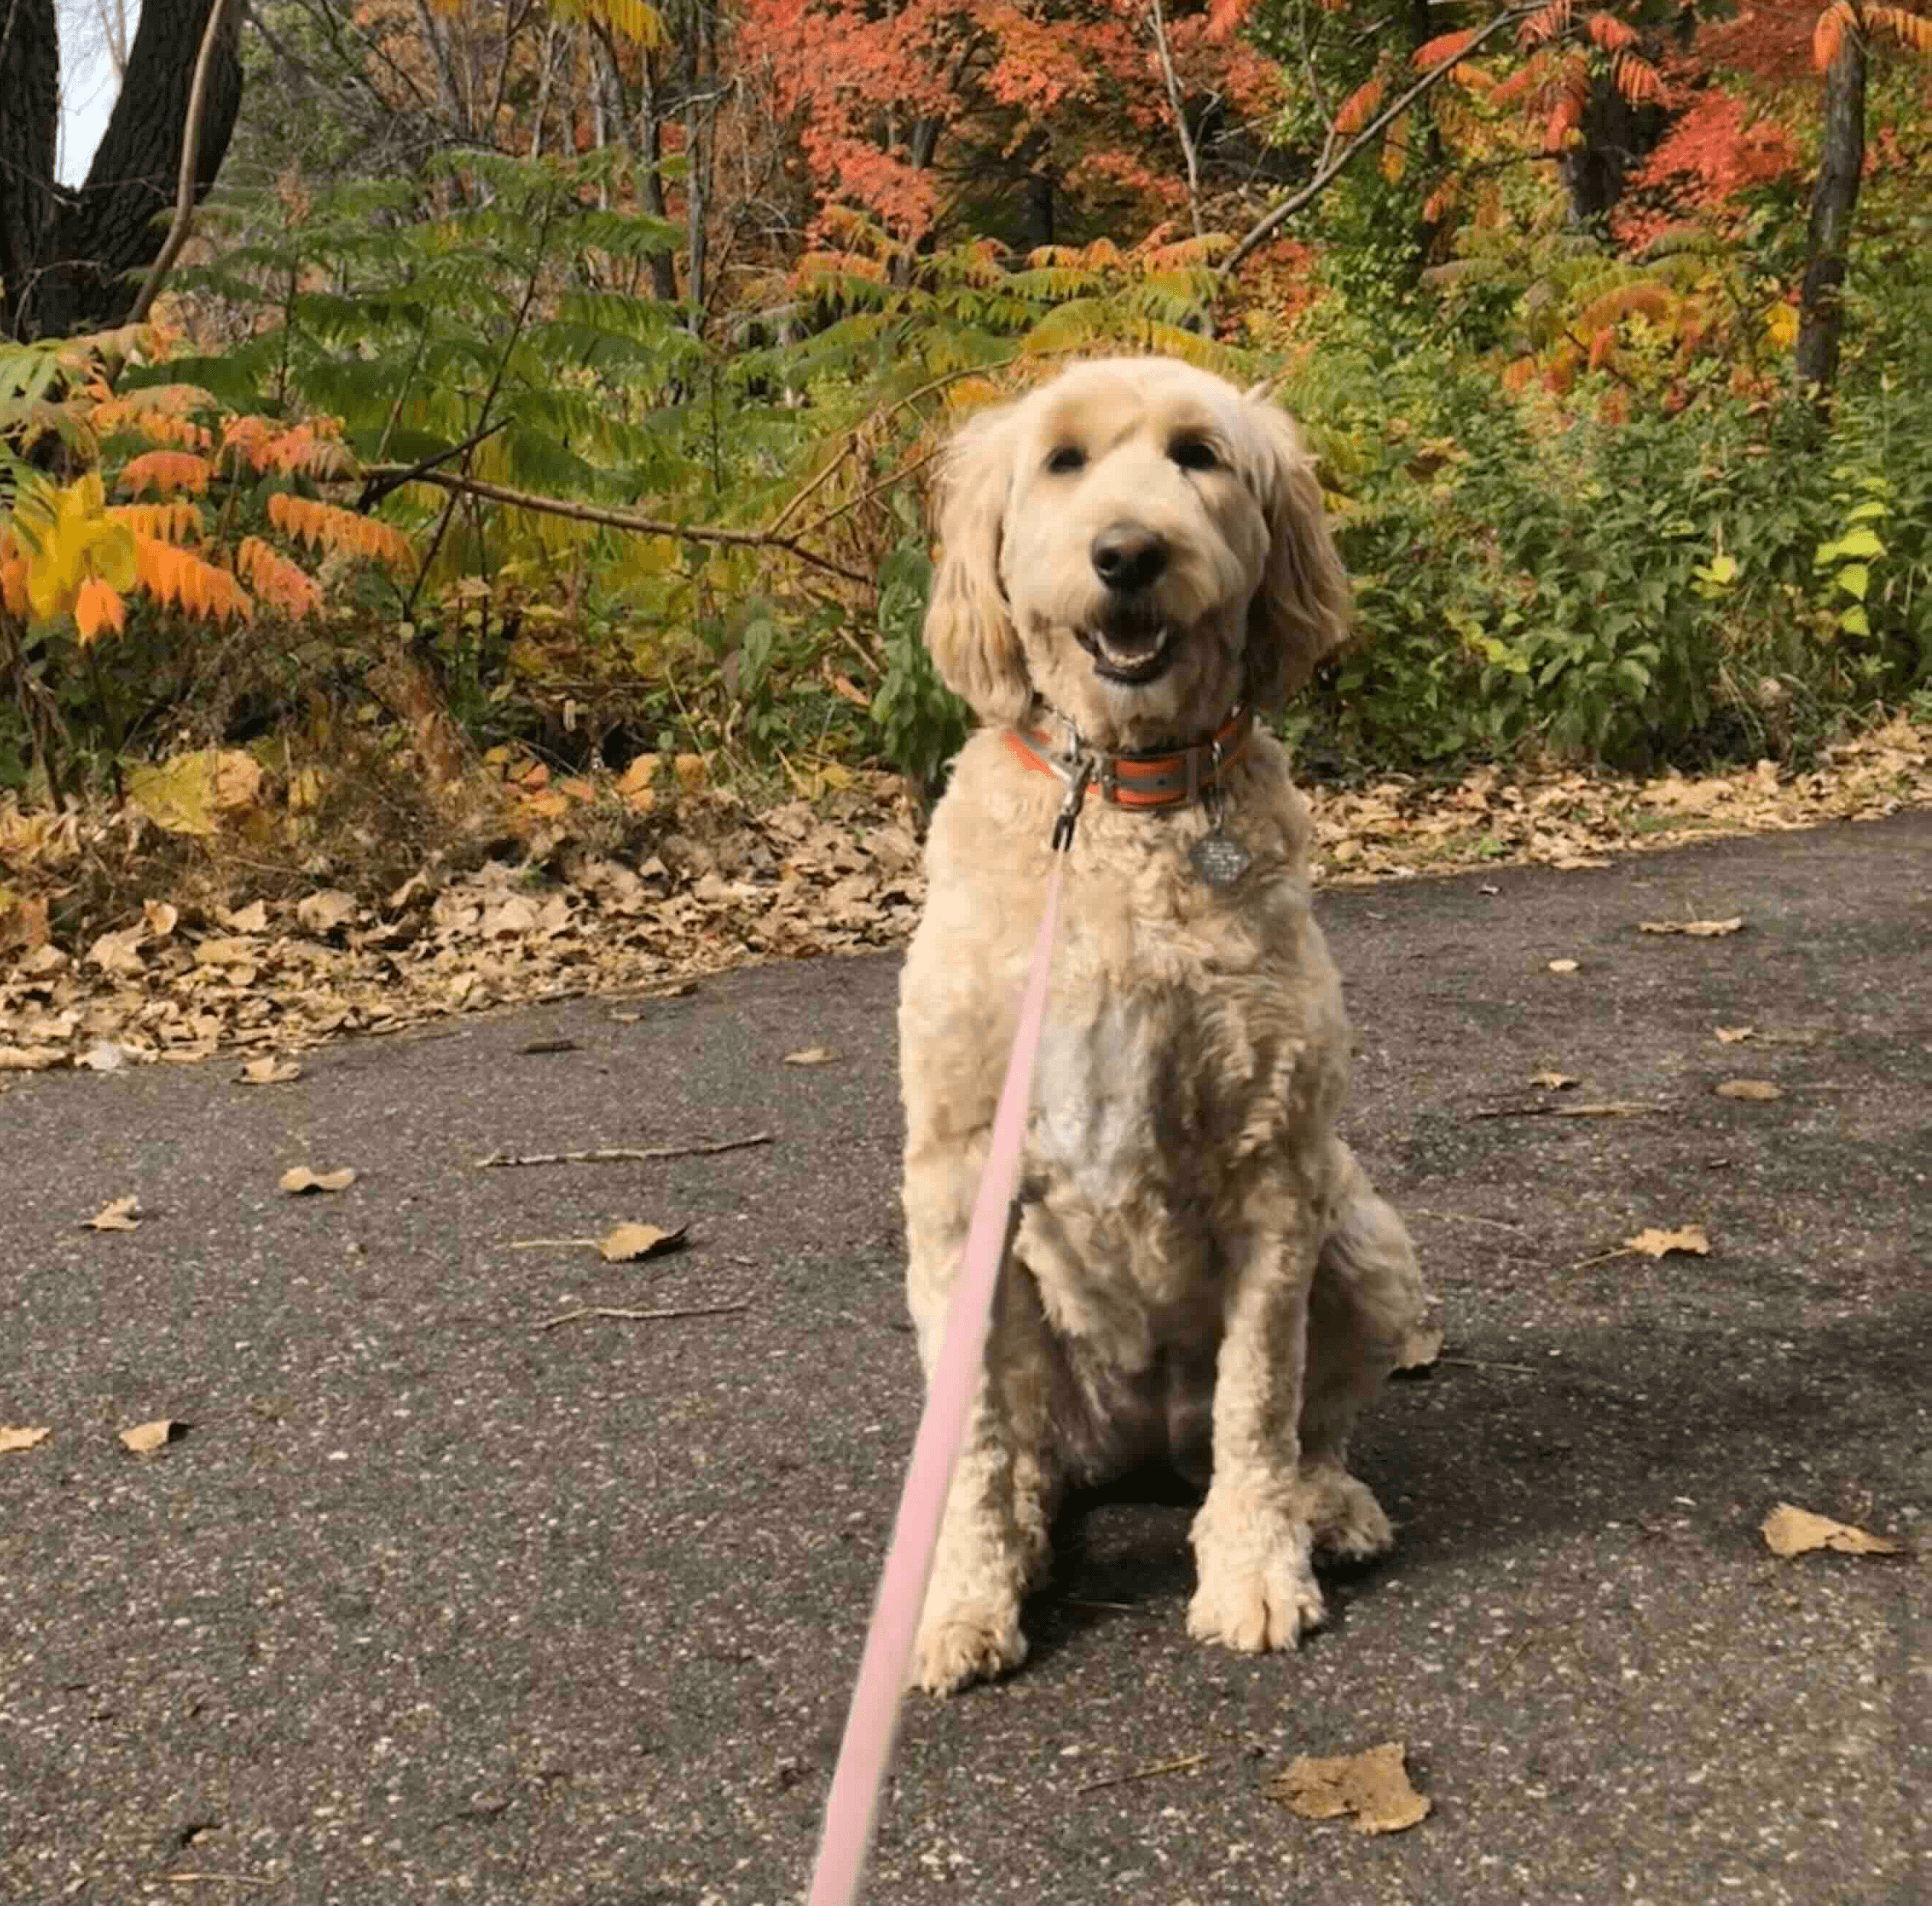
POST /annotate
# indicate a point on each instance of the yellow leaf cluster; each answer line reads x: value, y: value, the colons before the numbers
x: 65, y: 556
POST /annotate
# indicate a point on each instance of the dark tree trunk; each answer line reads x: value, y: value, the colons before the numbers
x: 1036, y: 212
x: 1615, y: 135
x: 29, y: 124
x: 647, y: 142
x: 1428, y: 231
x: 66, y: 257
x: 1834, y: 199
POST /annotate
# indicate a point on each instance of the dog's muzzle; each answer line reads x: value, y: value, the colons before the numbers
x: 1130, y: 640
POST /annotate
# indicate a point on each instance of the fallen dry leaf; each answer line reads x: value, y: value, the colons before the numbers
x: 322, y: 913
x: 1760, y: 1089
x: 30, y: 1058
x: 1733, y: 1035
x: 1654, y: 1243
x: 1552, y: 1081
x: 122, y: 1214
x: 629, y: 1242
x: 1421, y: 1344
x: 12, y: 1440
x: 146, y: 1438
x: 811, y: 1055
x: 1789, y: 1531
x: 269, y: 1071
x: 1563, y: 966
x: 1698, y: 929
x: 1373, y: 1785
x: 300, y: 1178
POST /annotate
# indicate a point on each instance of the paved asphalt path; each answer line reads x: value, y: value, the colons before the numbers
x: 431, y: 1603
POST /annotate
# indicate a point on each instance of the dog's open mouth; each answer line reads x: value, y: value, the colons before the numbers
x: 1135, y: 654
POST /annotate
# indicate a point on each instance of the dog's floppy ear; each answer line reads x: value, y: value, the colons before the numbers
x: 1301, y: 612
x: 968, y: 627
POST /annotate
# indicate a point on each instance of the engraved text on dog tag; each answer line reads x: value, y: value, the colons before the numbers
x: 1220, y: 861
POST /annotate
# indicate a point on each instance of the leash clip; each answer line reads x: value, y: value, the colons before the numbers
x: 1078, y: 773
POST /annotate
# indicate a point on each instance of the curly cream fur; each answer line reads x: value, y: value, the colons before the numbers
x: 1202, y: 1271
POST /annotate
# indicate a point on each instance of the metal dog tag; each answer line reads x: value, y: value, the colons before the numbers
x: 1220, y: 861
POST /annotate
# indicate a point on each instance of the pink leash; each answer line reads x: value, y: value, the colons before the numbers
x: 871, y: 1723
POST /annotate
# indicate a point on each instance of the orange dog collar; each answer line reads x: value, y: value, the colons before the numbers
x: 1146, y: 778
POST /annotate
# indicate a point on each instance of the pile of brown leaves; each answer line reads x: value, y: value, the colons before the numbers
x: 183, y: 983
x: 1496, y: 816
x: 722, y: 885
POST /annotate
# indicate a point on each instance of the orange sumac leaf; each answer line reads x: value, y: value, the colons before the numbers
x: 1828, y: 35
x: 1613, y: 34
x: 277, y: 581
x: 1545, y: 23
x: 1636, y: 78
x: 177, y: 577
x: 167, y: 471
x: 1442, y: 49
x: 98, y: 607
x: 1912, y: 30
x: 177, y: 521
x: 14, y: 582
x: 326, y: 526
x: 1360, y: 106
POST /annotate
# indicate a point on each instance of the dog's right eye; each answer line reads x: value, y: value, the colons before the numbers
x: 1065, y: 461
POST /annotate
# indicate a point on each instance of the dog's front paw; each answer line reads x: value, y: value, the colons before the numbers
x: 1348, y: 1522
x: 1257, y: 1591
x: 967, y: 1642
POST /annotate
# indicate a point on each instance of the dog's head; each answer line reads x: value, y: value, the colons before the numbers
x: 1139, y: 544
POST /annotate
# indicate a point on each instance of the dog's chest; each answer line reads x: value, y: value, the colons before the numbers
x: 1152, y: 1095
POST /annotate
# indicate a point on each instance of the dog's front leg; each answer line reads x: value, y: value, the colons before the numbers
x: 993, y: 1540
x: 1252, y: 1536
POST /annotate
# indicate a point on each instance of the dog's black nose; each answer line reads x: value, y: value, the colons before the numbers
x: 1125, y: 557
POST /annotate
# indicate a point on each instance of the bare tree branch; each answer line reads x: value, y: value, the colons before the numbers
x: 612, y: 519
x: 1188, y: 152
x: 190, y: 159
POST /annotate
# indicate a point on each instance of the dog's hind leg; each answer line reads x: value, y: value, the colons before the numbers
x: 1367, y: 1292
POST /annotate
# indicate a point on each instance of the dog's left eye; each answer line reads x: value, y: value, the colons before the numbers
x: 1194, y: 453
x: 1063, y: 461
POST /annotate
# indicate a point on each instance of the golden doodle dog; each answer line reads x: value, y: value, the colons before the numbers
x: 1134, y: 569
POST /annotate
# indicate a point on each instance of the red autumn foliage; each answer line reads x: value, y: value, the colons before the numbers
x: 901, y: 114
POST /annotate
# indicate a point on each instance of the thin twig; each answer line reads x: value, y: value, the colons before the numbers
x: 550, y: 1243
x: 1487, y: 1363
x: 1604, y: 1108
x: 1181, y: 1766
x: 640, y: 1316
x: 224, y: 1879
x: 1467, y: 1217
x: 1189, y: 157
x: 374, y: 492
x: 615, y: 519
x: 605, y: 1154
